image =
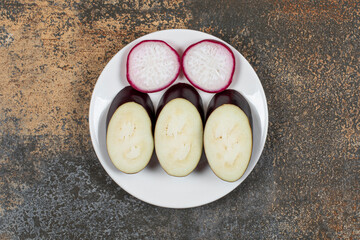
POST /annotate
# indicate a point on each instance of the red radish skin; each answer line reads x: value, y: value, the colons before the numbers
x: 194, y: 81
x: 140, y: 86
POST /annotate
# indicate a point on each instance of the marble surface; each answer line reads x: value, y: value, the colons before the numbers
x: 306, y: 184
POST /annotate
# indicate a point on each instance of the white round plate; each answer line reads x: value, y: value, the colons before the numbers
x: 152, y: 184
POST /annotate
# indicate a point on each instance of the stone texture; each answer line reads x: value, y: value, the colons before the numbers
x: 306, y: 184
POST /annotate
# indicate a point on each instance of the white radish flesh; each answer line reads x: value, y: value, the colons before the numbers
x: 209, y: 65
x: 152, y: 65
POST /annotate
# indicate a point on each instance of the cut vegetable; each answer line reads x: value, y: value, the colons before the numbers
x: 179, y: 130
x: 152, y: 65
x: 228, y: 135
x: 209, y: 65
x: 182, y: 90
x: 129, y: 138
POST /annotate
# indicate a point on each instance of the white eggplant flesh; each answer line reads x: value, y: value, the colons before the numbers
x: 179, y: 137
x: 129, y: 138
x: 228, y: 142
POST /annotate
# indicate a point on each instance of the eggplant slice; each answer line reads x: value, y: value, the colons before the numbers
x: 129, y: 137
x: 179, y: 130
x: 228, y: 135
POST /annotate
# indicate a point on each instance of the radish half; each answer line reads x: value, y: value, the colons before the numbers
x: 209, y: 65
x: 228, y: 135
x: 179, y: 130
x: 152, y: 65
x: 129, y: 123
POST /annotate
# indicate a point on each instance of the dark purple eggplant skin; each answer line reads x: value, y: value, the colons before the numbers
x: 129, y: 94
x: 230, y: 96
x: 182, y: 90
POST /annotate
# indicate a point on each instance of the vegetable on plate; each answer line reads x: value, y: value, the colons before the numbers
x: 228, y: 135
x: 129, y: 135
x: 152, y: 65
x: 179, y: 130
x: 209, y: 65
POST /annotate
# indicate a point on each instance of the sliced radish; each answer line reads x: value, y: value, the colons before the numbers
x: 179, y: 130
x: 209, y: 65
x: 228, y: 135
x: 152, y: 65
x: 129, y: 138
